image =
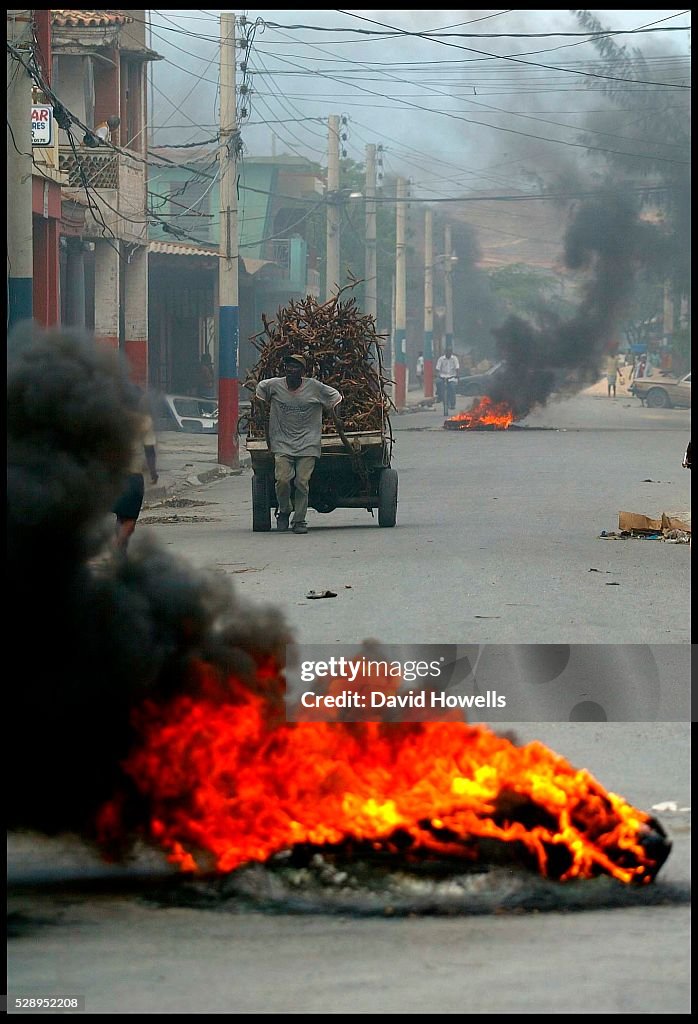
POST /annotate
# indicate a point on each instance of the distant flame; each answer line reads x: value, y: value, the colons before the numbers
x: 229, y: 781
x: 485, y: 413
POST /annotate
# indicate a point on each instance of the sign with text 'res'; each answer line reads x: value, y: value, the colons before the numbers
x: 42, y: 126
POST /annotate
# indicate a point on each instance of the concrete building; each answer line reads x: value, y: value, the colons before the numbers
x: 278, y: 256
x: 89, y: 200
x: 99, y: 72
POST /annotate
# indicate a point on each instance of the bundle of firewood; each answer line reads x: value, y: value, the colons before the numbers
x: 341, y: 348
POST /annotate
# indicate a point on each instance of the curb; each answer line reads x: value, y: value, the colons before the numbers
x: 426, y: 406
x: 207, y: 476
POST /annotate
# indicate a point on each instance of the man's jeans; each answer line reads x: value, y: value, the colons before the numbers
x: 298, y: 469
x: 444, y: 382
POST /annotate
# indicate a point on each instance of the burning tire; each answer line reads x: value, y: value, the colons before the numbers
x: 261, y: 508
x: 657, y: 398
x: 387, y: 497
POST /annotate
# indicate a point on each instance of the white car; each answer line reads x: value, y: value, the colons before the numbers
x: 188, y: 413
x: 663, y: 391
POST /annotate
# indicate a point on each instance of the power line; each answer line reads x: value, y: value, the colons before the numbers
x: 516, y: 60
x: 438, y: 34
x: 486, y: 106
x: 485, y: 124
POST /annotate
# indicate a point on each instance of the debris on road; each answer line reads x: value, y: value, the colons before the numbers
x: 639, y: 527
x: 633, y: 522
x: 166, y: 520
x: 315, y: 595
x: 670, y: 805
x: 179, y: 503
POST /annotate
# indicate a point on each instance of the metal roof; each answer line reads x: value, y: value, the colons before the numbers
x: 162, y: 248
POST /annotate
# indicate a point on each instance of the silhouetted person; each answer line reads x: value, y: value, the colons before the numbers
x: 127, y: 506
x: 206, y: 377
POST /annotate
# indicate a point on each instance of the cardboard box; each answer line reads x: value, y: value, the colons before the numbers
x: 634, y: 522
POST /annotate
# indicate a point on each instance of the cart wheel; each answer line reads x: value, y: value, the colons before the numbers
x: 261, y: 510
x: 387, y: 497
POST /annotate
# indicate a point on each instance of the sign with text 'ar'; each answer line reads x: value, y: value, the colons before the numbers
x: 42, y: 125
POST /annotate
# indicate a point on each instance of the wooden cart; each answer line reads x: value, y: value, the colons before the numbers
x: 354, y: 471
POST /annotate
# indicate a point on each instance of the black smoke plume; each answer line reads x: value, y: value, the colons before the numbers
x: 93, y: 637
x: 608, y: 241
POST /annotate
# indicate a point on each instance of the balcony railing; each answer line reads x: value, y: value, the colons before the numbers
x: 281, y: 254
x: 120, y: 181
x: 94, y: 170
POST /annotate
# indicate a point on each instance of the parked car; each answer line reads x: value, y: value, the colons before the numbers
x: 663, y: 391
x: 187, y: 413
x: 477, y: 383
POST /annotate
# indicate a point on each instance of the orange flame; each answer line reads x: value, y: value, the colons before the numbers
x: 485, y: 413
x: 230, y: 781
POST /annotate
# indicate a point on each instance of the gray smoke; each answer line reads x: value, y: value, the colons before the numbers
x: 608, y: 241
x: 94, y: 638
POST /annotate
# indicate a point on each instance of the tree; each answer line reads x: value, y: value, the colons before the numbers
x: 681, y: 347
x: 475, y: 306
x: 654, y: 148
x: 527, y: 292
x: 352, y: 255
x: 641, y: 325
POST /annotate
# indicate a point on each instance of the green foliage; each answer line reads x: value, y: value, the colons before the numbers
x: 352, y: 177
x: 656, y: 145
x: 527, y: 292
x: 681, y: 348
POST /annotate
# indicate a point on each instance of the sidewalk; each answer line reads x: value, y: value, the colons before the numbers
x: 187, y: 460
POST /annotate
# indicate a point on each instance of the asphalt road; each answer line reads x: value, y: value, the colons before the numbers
x: 126, y: 955
x: 497, y: 537
x: 503, y: 526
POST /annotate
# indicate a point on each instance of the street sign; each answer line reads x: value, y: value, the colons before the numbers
x: 42, y: 125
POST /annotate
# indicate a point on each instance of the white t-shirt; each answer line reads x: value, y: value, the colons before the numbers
x: 447, y: 367
x: 103, y: 132
x: 295, y: 417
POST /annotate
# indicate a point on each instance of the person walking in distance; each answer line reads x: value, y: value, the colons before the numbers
x: 295, y: 429
x: 613, y: 374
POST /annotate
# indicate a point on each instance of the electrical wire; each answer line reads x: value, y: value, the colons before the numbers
x: 517, y: 60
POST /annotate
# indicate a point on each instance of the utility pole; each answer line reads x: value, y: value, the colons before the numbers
x: 448, y: 283
x: 400, y: 295
x: 332, y: 256
x: 150, y: 92
x: 371, y: 286
x: 668, y: 313
x: 228, y: 303
x: 428, y: 304
x: 20, y: 252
